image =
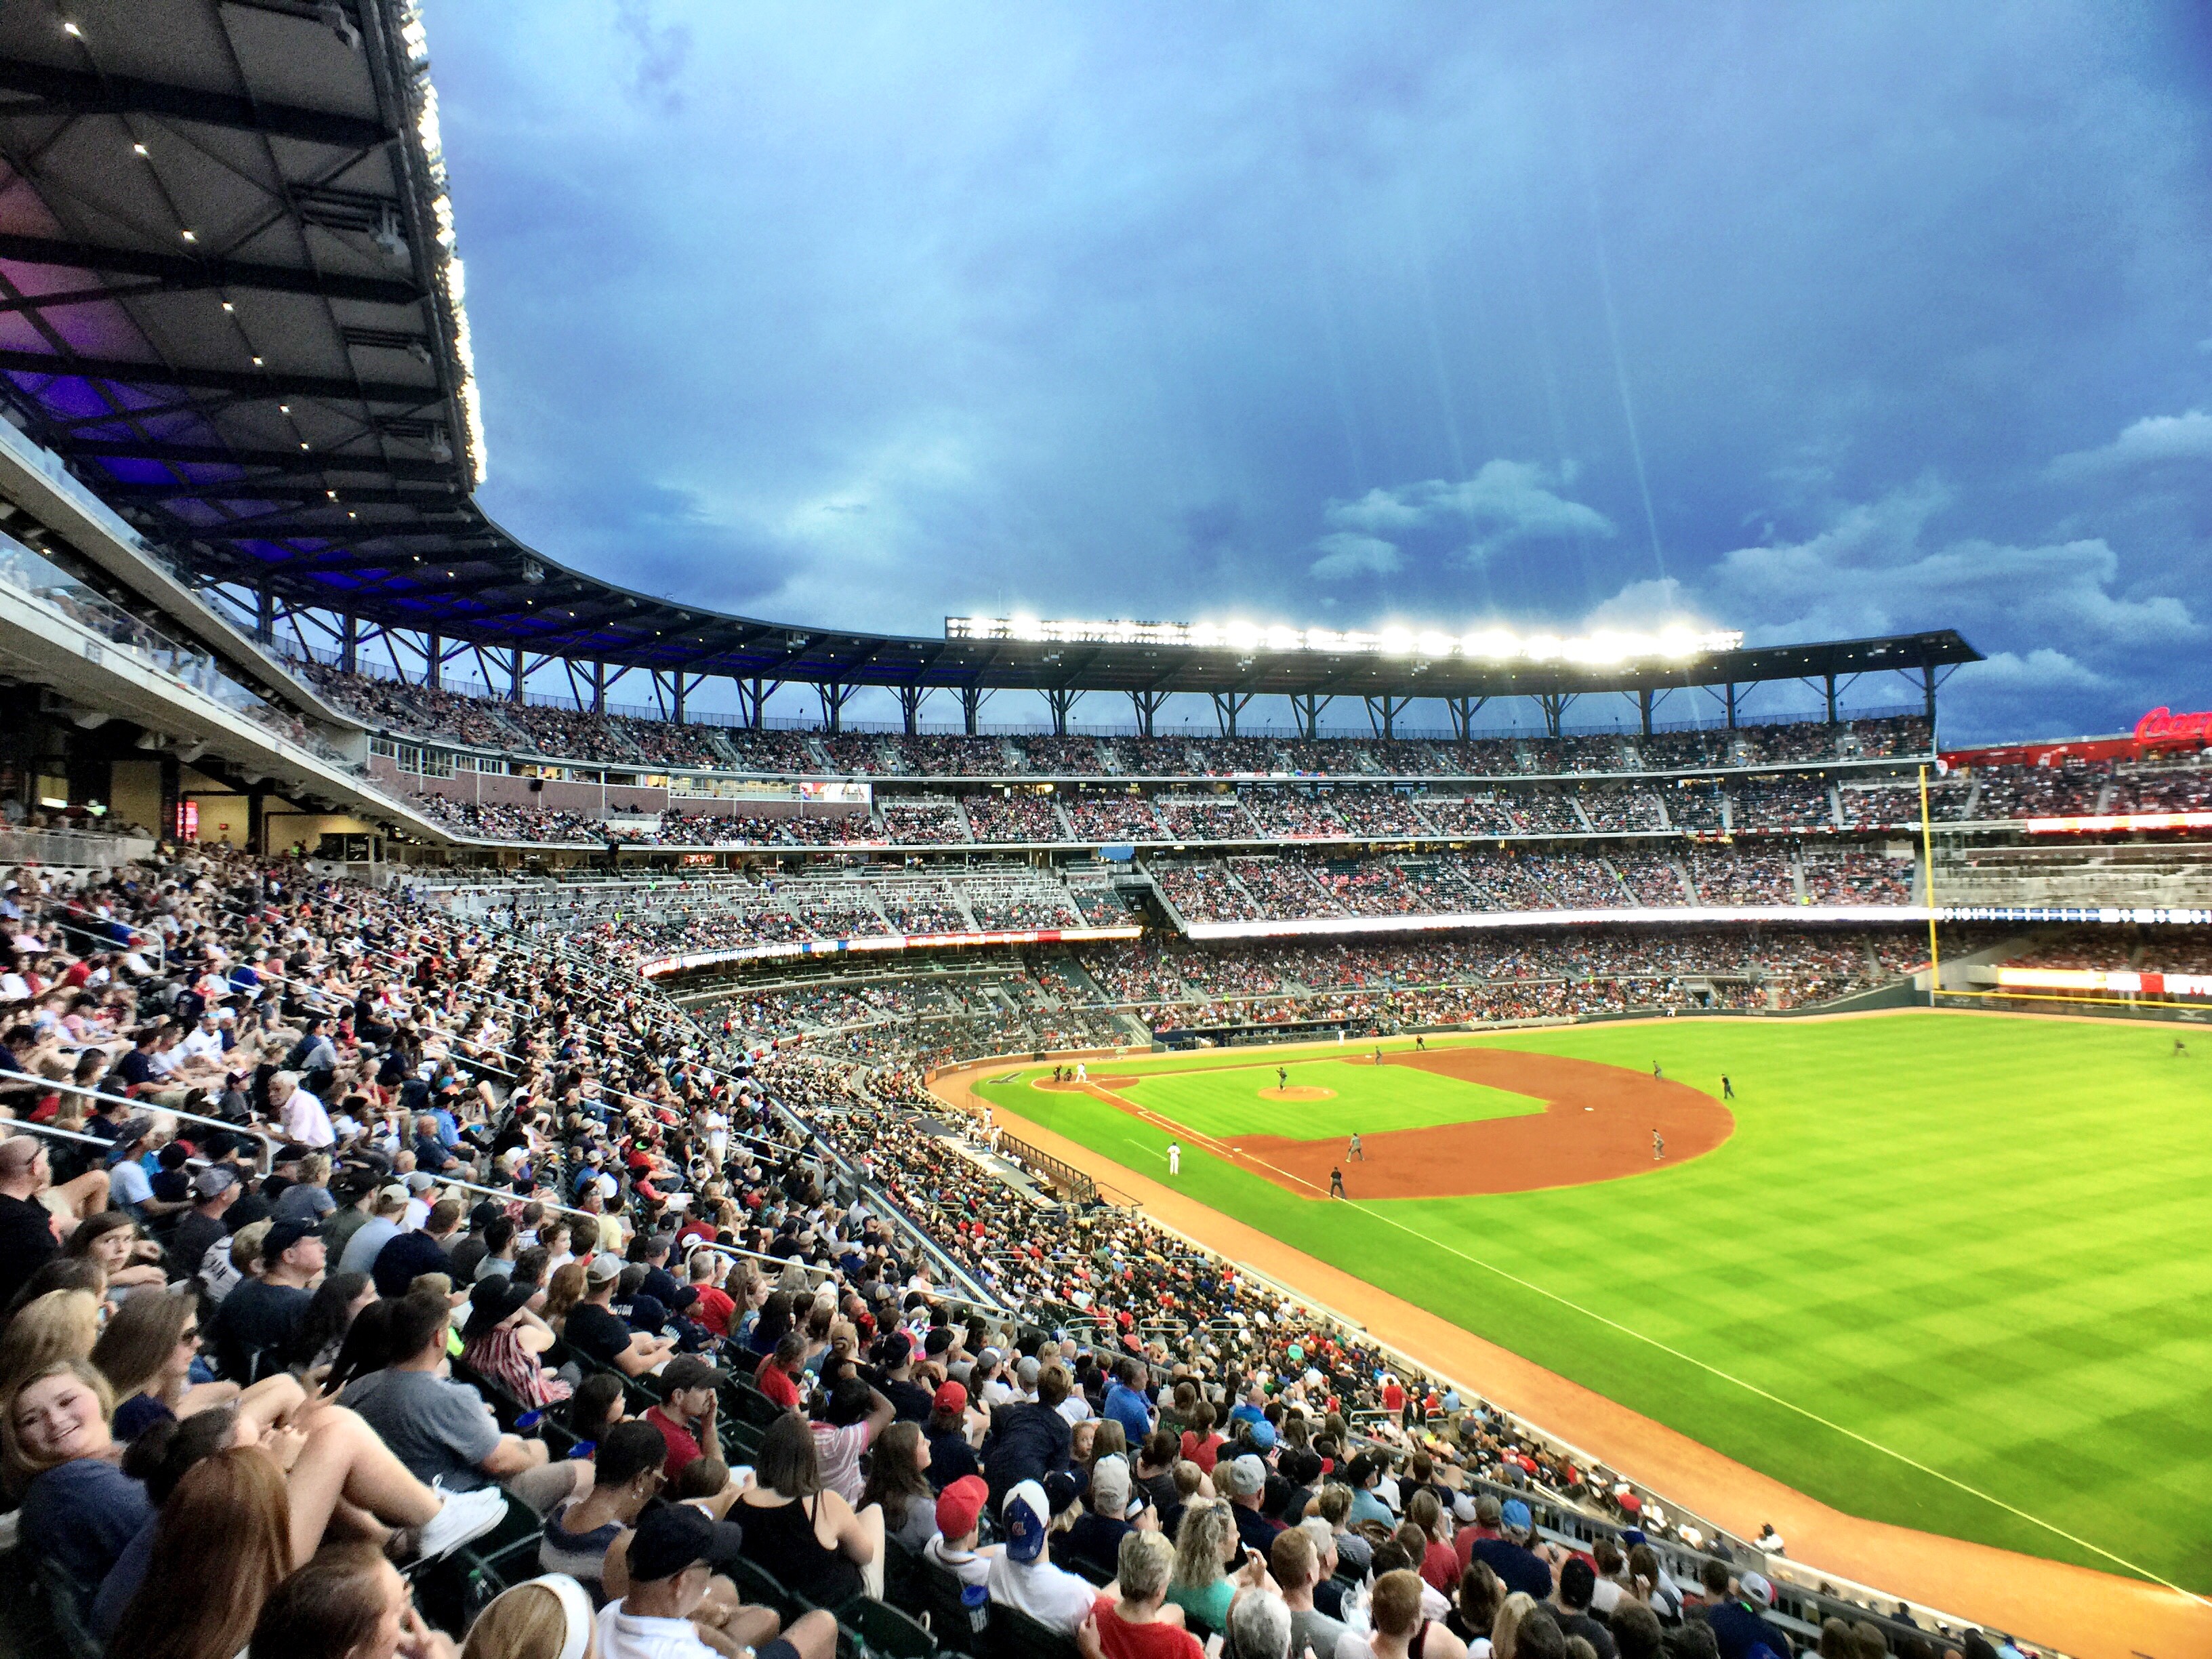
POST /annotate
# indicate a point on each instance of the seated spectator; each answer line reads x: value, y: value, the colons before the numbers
x: 1736, y: 1614
x: 1244, y: 1483
x: 595, y: 1331
x: 1205, y: 1547
x: 79, y: 1508
x: 685, y: 1414
x: 146, y: 1354
x: 502, y: 1341
x: 855, y: 1415
x: 1394, y: 1606
x: 1577, y: 1584
x: 1021, y: 1576
x: 55, y: 1326
x: 1135, y: 1622
x: 548, y: 1618
x: 1095, y: 1540
x: 221, y: 1544
x: 442, y: 1431
x: 580, y: 1535
x: 259, y: 1323
x: 1296, y: 1563
x: 1260, y: 1627
x: 348, y: 1603
x: 673, y: 1557
x: 409, y: 1255
x: 1517, y: 1567
x: 802, y: 1531
x: 959, y: 1520
x: 111, y: 1239
x: 951, y: 1455
x: 1029, y: 1442
x: 383, y: 1225
x: 898, y: 1483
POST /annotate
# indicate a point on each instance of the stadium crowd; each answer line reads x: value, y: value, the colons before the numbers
x: 373, y: 1282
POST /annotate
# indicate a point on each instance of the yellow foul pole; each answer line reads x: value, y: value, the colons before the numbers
x: 1928, y: 866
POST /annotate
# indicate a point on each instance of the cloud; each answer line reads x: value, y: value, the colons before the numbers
x: 1505, y: 502
x: 2149, y: 442
x: 1346, y: 554
x: 2036, y: 673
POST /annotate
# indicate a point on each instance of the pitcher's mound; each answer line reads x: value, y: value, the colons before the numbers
x: 1298, y: 1091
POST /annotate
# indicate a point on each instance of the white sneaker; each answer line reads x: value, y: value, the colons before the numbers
x: 462, y: 1516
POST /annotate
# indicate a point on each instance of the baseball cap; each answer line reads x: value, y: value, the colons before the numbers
x: 132, y: 1131
x: 949, y: 1397
x: 606, y: 1267
x: 1027, y: 1512
x: 420, y: 1180
x: 213, y: 1181
x: 1109, y: 1487
x: 284, y: 1234
x: 1754, y: 1588
x: 1026, y: 1373
x: 394, y: 1194
x: 960, y: 1505
x: 1063, y: 1488
x: 1487, y: 1511
x: 1263, y: 1435
x: 674, y: 1536
x: 1514, y: 1515
x: 689, y: 1371
x: 1246, y: 1476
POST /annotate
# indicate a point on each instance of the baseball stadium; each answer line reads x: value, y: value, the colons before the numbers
x: 1437, y: 1135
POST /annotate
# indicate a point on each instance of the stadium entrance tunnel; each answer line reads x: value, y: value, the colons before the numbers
x: 1598, y: 1124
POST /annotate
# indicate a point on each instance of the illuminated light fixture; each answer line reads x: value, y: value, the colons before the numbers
x: 1602, y: 648
x: 72, y: 31
x: 283, y: 409
x: 190, y: 235
x: 303, y: 442
x: 257, y: 363
x: 140, y: 149
x: 227, y: 305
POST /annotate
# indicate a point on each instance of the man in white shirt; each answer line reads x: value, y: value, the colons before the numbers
x: 1023, y: 1578
x: 301, y: 1114
x: 673, y: 1555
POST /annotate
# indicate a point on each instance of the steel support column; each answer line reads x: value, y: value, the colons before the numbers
x: 1643, y: 700
x: 971, y: 705
x: 433, y: 661
x: 1462, y: 711
x: 1147, y: 704
x: 349, y: 642
x: 1305, y: 708
x: 834, y: 695
x: 1829, y: 682
x: 1730, y: 691
x: 1060, y: 699
x: 1226, y: 706
x: 1383, y: 713
x: 909, y: 701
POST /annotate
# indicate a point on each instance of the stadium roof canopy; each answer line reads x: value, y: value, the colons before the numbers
x: 229, y: 299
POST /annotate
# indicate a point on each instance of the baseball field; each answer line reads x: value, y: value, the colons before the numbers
x: 1949, y: 1272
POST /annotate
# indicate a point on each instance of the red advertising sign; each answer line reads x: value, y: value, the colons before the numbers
x: 2162, y: 724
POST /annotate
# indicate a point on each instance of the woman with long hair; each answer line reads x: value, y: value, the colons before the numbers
x: 223, y: 1542
x: 347, y: 1603
x: 111, y: 1239
x: 79, y: 1508
x: 1205, y: 1544
x: 563, y: 1291
x: 898, y: 1481
x: 59, y: 1325
x: 802, y: 1531
x: 146, y: 1355
x: 547, y: 1618
x: 338, y: 1300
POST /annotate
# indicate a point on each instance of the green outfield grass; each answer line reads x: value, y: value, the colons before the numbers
x: 1951, y: 1272
x: 1224, y: 1099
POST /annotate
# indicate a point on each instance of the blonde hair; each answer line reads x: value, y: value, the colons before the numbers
x: 526, y: 1622
x: 1505, y: 1632
x: 245, y: 1246
x: 61, y: 1325
x: 1199, y: 1559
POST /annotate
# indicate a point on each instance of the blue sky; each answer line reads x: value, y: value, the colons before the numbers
x: 1810, y: 321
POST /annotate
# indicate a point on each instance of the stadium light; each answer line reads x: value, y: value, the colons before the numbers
x: 1604, y: 647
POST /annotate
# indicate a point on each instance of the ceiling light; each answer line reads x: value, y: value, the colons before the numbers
x: 72, y: 31
x: 139, y: 149
x: 283, y: 409
x: 227, y: 305
x: 303, y: 442
x: 333, y: 494
x: 192, y: 235
x: 257, y: 363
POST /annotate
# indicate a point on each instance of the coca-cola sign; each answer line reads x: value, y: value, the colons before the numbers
x: 2164, y: 725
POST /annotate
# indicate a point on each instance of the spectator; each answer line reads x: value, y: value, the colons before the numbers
x: 673, y: 1558
x: 1296, y: 1563
x: 1021, y: 1578
x: 409, y: 1255
x: 594, y: 1330
x: 685, y: 1414
x: 584, y: 1535
x: 441, y: 1430
x: 1517, y: 1567
x: 959, y: 1519
x: 1129, y: 1623
x: 804, y: 1533
x: 257, y: 1324
x: 1737, y: 1620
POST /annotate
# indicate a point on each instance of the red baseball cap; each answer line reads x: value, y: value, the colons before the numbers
x: 960, y: 1505
x: 950, y: 1397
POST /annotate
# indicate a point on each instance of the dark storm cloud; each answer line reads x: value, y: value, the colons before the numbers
x: 1799, y: 320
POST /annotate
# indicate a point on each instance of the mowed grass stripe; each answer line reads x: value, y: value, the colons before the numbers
x: 1982, y: 1243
